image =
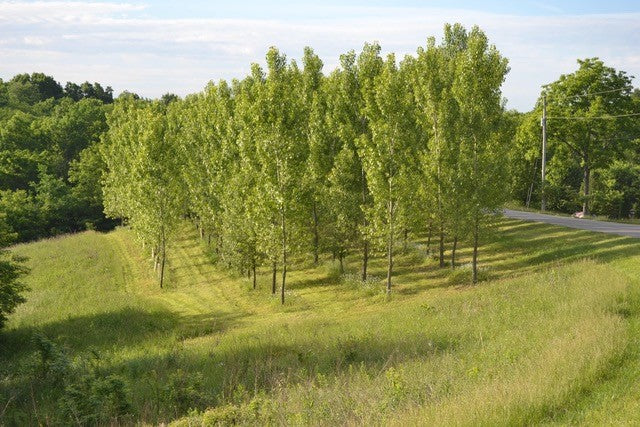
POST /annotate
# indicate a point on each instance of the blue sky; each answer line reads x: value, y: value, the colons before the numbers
x: 153, y: 47
x: 292, y: 9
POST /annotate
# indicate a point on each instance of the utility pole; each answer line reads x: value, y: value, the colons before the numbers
x: 543, y: 206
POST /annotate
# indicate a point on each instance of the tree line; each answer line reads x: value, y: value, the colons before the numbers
x: 290, y: 161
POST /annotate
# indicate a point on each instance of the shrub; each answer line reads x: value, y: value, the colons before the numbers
x: 371, y: 286
x: 183, y: 392
x: 89, y: 396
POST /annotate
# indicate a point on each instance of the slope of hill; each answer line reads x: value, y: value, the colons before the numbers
x: 550, y: 336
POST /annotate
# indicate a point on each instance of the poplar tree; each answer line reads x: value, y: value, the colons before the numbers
x: 142, y: 183
x: 352, y: 87
x: 283, y: 154
x: 433, y: 74
x: 387, y: 154
x: 483, y: 150
x: 321, y: 143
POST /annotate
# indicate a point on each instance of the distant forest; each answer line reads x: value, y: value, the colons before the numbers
x: 49, y: 164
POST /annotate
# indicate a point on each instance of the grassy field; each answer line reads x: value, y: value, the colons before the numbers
x: 551, y: 336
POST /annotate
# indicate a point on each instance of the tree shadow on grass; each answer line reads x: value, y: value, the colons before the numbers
x: 325, y: 280
x: 539, y: 245
x: 516, y: 248
x: 127, y: 327
x: 266, y: 363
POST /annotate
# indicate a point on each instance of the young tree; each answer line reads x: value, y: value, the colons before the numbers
x: 438, y: 113
x: 282, y: 153
x: 143, y: 183
x: 206, y: 140
x: 346, y: 193
x: 481, y: 112
x: 261, y: 210
x: 318, y: 139
x: 351, y: 88
x: 387, y: 154
x: 343, y: 203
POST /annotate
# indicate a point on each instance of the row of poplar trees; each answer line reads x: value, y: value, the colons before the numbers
x: 289, y: 161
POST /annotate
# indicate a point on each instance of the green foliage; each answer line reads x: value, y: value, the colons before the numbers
x: 584, y: 140
x: 41, y: 135
x: 86, y: 394
x: 22, y: 213
x: 183, y: 391
x: 11, y: 270
x: 85, y: 175
x: 142, y: 182
x: 617, y: 190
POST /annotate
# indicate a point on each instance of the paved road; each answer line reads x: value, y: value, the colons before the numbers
x: 629, y: 230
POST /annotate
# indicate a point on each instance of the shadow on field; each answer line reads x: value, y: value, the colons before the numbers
x: 268, y: 361
x: 325, y: 280
x: 123, y: 328
x: 522, y: 247
x: 514, y: 248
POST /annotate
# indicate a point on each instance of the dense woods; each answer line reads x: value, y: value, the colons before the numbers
x: 50, y: 166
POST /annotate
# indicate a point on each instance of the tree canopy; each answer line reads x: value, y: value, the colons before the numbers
x: 290, y: 161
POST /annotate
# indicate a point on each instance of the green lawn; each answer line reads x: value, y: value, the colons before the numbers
x: 552, y: 335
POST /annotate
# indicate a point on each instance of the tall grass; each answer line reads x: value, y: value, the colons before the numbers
x: 536, y: 342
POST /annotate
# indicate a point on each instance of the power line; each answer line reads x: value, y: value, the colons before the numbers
x: 598, y: 93
x: 593, y: 93
x: 596, y: 117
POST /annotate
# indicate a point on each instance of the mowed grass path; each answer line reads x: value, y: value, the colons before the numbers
x: 551, y: 336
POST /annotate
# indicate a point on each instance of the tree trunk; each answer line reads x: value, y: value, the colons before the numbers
x: 389, y: 254
x: 341, y: 258
x: 476, y: 217
x: 533, y: 180
x: 474, y: 266
x: 273, y: 279
x: 441, y: 249
x: 453, y: 252
x: 316, y: 237
x: 429, y: 239
x: 365, y: 260
x: 284, y: 277
x: 284, y: 255
x: 439, y: 195
x: 365, y: 255
x: 253, y: 267
x: 164, y: 257
x: 404, y: 242
x: 587, y: 190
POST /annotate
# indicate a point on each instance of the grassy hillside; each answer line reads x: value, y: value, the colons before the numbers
x: 551, y: 336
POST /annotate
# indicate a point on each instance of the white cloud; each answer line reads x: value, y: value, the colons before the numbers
x: 35, y: 41
x: 66, y: 12
x: 114, y: 44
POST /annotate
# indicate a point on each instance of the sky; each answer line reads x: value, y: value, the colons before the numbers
x: 155, y: 47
